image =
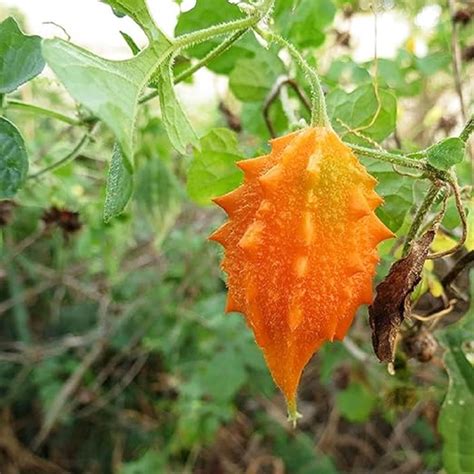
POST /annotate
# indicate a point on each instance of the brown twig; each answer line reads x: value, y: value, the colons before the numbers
x: 397, y: 437
x: 22, y: 459
x: 462, y: 264
x: 117, y: 389
x: 437, y: 314
x: 273, y: 95
x: 26, y: 295
x: 462, y: 215
x: 75, y: 379
x: 114, y: 361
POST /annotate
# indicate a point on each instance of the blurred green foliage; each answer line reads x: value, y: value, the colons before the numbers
x: 176, y: 385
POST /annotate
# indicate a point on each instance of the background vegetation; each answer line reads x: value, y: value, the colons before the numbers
x: 115, y: 353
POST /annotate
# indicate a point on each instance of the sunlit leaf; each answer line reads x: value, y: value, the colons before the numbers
x: 175, y: 120
x: 360, y: 110
x: 397, y: 192
x: 109, y: 89
x: 305, y: 22
x: 213, y: 171
x: 252, y: 79
x: 205, y: 14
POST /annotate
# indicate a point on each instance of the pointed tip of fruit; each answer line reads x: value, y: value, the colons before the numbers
x: 358, y: 205
x: 252, y: 167
x: 219, y: 235
x: 271, y: 180
x: 279, y: 144
x: 293, y: 414
x: 229, y: 202
x: 381, y: 232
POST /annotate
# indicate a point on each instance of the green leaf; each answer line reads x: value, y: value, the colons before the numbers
x: 433, y: 63
x: 110, y: 89
x: 138, y: 11
x: 119, y: 186
x: 451, y: 216
x: 225, y: 363
x: 305, y: 25
x: 253, y: 121
x: 395, y: 77
x: 252, y: 79
x: 446, y: 153
x: 20, y: 56
x: 175, y: 120
x: 213, y: 171
x: 205, y: 14
x: 134, y: 48
x: 330, y: 357
x: 397, y: 192
x: 151, y: 461
x: 345, y: 70
x: 356, y: 403
x: 358, y: 109
x: 301, y: 457
x: 456, y: 420
x: 13, y: 159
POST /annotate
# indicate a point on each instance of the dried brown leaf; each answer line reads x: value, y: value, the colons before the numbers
x: 392, y: 302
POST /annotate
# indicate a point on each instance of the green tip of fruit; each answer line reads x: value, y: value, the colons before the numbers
x: 293, y: 414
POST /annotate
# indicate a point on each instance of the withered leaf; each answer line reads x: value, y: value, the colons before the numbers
x: 392, y: 302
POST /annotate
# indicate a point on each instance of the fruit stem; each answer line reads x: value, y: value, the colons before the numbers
x: 293, y: 414
x: 319, y: 116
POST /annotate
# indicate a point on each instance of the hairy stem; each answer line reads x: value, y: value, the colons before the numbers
x: 452, y: 180
x: 206, y: 34
x: 468, y: 129
x: 69, y: 157
x: 388, y: 157
x: 227, y: 43
x: 37, y: 110
x: 319, y: 114
x: 222, y: 47
x: 276, y: 91
x: 420, y: 216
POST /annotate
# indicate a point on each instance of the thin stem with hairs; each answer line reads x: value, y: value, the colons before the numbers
x: 226, y: 44
x: 69, y: 157
x: 38, y: 110
x: 196, y: 37
x: 420, y: 215
x: 319, y: 116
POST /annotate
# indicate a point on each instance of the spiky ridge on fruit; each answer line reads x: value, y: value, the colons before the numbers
x: 300, y: 248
